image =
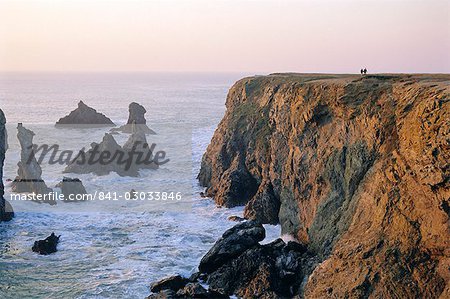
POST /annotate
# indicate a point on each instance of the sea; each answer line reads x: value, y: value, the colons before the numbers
x: 114, y: 247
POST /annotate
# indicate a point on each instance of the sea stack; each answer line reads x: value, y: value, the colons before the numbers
x: 136, y: 117
x: 6, y: 212
x: 85, y: 116
x: 29, y: 171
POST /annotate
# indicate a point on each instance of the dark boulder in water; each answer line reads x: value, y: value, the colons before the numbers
x: 46, y: 246
x: 233, y: 243
x: 85, y: 116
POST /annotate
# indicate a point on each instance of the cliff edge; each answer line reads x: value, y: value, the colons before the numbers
x: 356, y: 168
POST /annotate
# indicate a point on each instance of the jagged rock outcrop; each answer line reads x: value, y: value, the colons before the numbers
x: 72, y: 189
x: 108, y: 156
x: 233, y: 243
x: 29, y: 172
x: 239, y: 265
x: 6, y: 211
x: 85, y: 116
x: 356, y: 168
x: 250, y: 270
x: 274, y: 270
x: 136, y: 120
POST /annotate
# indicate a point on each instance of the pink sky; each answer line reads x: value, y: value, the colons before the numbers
x: 210, y: 35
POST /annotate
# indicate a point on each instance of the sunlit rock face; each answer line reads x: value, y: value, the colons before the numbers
x: 354, y: 167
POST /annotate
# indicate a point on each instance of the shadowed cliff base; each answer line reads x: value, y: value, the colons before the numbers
x: 354, y: 167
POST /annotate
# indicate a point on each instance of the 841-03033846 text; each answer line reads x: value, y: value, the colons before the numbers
x: 133, y: 195
x: 102, y: 196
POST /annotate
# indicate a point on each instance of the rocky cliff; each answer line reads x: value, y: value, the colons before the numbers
x: 355, y: 168
x: 6, y: 212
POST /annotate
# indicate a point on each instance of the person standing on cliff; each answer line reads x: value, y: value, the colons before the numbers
x: 362, y: 72
x: 365, y: 71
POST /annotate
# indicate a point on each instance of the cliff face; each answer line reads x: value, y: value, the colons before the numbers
x: 356, y: 168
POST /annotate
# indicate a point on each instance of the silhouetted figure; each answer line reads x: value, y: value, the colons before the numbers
x: 362, y: 71
x: 365, y: 71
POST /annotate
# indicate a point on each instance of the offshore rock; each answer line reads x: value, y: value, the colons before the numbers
x: 360, y: 168
x: 29, y: 173
x: 85, y: 116
x: 136, y: 118
x: 70, y: 188
x: 47, y: 246
x: 6, y: 211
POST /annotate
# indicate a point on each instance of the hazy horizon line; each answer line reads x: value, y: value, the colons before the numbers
x: 207, y: 72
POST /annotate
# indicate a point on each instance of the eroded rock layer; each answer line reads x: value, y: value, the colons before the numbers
x: 356, y: 168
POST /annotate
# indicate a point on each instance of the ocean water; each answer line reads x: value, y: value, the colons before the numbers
x: 113, y: 249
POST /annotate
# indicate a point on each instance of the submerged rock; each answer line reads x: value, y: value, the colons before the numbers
x: 70, y: 188
x: 133, y: 194
x: 29, y: 173
x: 136, y: 119
x: 232, y: 243
x: 86, y: 117
x: 6, y: 211
x: 46, y: 246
